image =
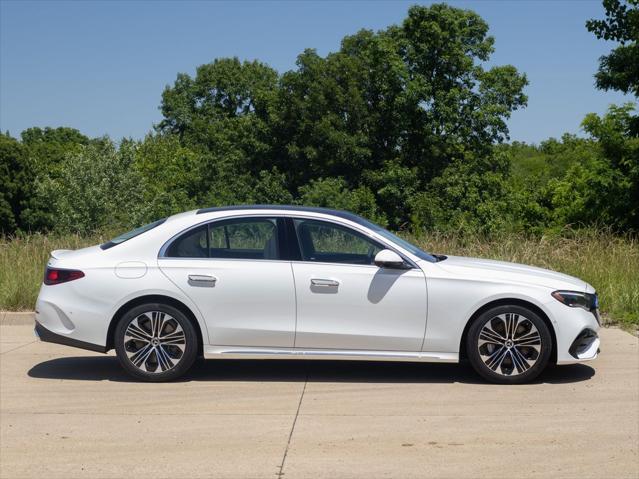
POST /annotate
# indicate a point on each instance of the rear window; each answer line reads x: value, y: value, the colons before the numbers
x: 131, y: 234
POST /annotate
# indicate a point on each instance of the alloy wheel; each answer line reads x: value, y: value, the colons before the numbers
x: 509, y: 344
x: 154, y: 342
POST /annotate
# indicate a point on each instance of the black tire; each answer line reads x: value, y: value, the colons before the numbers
x: 493, y: 361
x: 181, y: 362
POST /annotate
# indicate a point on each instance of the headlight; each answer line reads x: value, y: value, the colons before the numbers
x: 575, y: 299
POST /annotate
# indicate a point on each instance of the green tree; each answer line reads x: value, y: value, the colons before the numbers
x: 270, y: 188
x: 171, y: 172
x: 534, y: 171
x: 49, y: 146
x: 471, y: 196
x: 388, y: 112
x: 14, y: 175
x: 47, y: 149
x: 222, y: 116
x: 98, y: 188
x: 406, y: 101
x: 395, y: 186
x: 179, y: 178
x: 619, y: 70
x: 223, y: 111
x: 334, y: 193
x: 603, y: 188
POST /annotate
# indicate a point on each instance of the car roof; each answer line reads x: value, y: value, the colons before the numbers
x: 308, y: 209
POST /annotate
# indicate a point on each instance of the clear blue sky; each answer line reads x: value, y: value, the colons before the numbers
x: 101, y: 66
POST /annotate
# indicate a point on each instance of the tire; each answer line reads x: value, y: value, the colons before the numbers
x: 155, y: 342
x: 509, y: 344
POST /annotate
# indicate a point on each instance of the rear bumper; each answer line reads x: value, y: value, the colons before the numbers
x: 50, y: 337
x: 67, y: 310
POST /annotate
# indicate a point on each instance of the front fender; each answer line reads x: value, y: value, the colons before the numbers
x: 453, y: 302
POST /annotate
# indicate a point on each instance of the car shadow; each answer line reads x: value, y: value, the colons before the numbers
x: 107, y: 368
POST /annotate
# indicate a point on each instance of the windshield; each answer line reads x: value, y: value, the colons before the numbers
x: 131, y: 234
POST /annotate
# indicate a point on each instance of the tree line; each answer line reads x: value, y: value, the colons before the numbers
x: 406, y: 126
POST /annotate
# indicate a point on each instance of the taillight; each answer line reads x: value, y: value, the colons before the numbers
x: 56, y: 276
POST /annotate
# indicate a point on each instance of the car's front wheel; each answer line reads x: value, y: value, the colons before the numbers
x: 155, y: 342
x: 509, y: 344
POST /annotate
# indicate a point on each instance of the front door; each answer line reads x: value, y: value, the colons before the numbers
x: 231, y: 269
x: 346, y: 302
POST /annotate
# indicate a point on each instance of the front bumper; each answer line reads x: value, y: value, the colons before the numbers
x: 585, y: 346
x: 570, y: 325
x: 50, y: 337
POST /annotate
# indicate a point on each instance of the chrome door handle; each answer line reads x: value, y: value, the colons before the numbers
x: 202, y: 278
x: 324, y: 282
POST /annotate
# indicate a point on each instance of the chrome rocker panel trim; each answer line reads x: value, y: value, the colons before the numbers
x: 236, y: 352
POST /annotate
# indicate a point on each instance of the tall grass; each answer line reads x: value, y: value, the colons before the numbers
x: 22, y: 262
x: 609, y: 262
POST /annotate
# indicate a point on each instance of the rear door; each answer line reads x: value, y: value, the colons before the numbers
x: 233, y: 271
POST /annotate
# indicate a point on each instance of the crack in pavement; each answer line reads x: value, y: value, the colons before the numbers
x: 140, y: 414
x: 290, y: 436
x: 18, y: 347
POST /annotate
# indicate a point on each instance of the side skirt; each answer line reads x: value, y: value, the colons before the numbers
x: 236, y: 352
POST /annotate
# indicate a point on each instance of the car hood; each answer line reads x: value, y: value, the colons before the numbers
x: 503, y: 271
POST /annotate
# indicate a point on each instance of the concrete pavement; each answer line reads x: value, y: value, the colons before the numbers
x: 68, y: 413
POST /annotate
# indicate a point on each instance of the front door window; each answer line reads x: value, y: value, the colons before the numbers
x: 326, y: 242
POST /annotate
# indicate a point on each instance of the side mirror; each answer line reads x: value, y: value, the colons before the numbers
x: 389, y: 259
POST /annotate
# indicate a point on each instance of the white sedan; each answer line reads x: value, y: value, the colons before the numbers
x: 280, y: 282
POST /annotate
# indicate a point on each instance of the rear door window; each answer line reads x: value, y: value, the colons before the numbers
x: 244, y: 239
x: 240, y: 238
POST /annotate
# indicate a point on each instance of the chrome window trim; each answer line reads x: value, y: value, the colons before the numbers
x: 293, y: 215
x: 169, y: 242
x: 171, y: 258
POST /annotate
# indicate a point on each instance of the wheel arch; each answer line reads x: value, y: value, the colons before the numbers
x: 509, y: 301
x: 154, y: 298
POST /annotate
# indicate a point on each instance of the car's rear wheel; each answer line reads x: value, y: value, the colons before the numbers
x: 509, y: 344
x: 155, y: 342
